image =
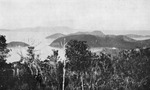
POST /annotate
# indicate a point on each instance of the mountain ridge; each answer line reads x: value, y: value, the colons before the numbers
x: 94, y: 32
x: 118, y: 41
x: 136, y: 35
x: 16, y: 44
x: 55, y: 36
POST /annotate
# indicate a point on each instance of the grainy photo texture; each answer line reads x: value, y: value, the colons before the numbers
x: 74, y: 44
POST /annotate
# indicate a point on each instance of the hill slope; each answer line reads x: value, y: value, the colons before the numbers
x: 95, y: 33
x: 16, y: 44
x: 136, y: 36
x: 122, y: 42
x: 55, y: 36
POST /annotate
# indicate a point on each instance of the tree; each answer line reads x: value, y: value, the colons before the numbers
x: 78, y: 54
x: 5, y: 69
x: 132, y: 69
x: 100, y: 71
x: 3, y: 49
x: 29, y: 74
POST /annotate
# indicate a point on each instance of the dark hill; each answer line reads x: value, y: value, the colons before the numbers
x: 122, y: 42
x: 137, y: 36
x: 55, y: 36
x: 95, y: 33
x: 16, y: 44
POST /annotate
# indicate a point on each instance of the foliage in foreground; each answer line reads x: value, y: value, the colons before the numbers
x: 84, y: 70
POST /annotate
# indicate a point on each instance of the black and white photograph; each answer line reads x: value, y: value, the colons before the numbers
x: 74, y: 44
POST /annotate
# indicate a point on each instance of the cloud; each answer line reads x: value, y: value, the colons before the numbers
x: 86, y: 14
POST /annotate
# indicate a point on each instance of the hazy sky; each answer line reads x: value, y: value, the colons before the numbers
x: 83, y: 14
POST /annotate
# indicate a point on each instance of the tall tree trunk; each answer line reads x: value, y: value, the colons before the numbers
x: 93, y: 88
x: 82, y: 83
x: 64, y: 68
x: 64, y: 73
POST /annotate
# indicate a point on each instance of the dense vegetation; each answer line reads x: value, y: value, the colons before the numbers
x: 81, y: 70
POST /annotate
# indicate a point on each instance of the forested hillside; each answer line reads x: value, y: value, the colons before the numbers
x: 80, y: 70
